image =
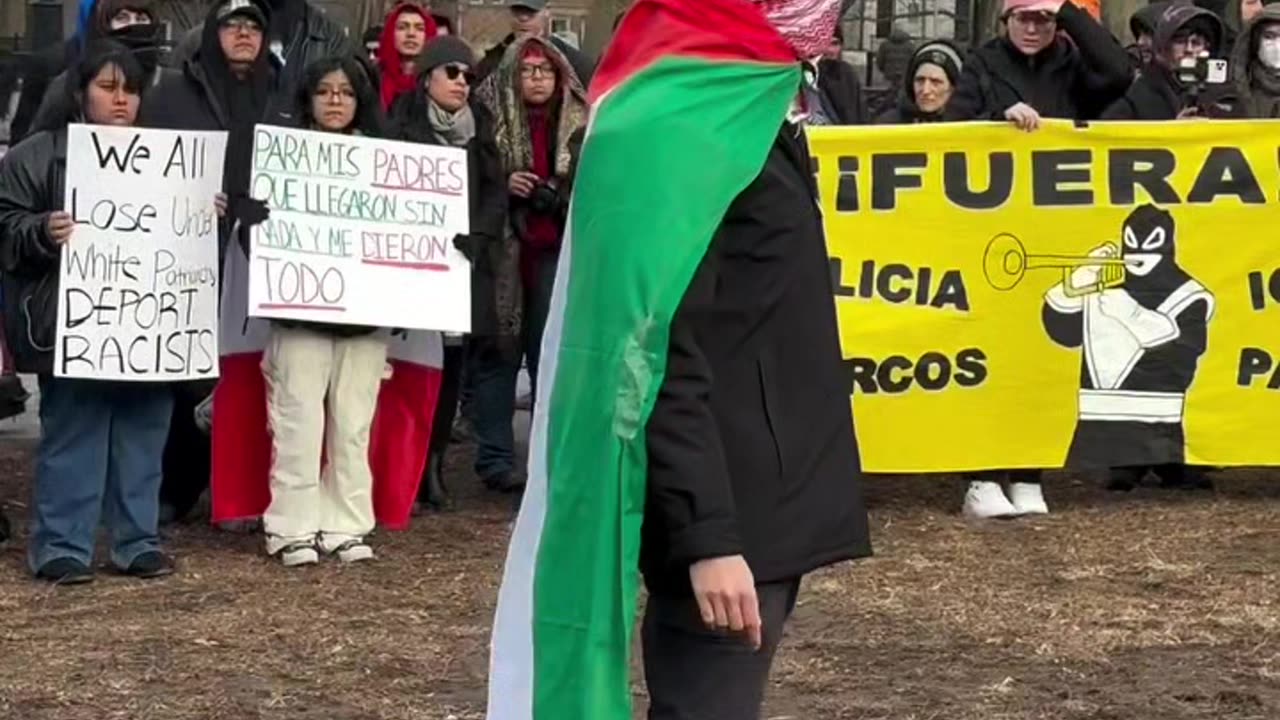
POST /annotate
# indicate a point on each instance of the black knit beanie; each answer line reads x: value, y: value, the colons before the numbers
x: 444, y: 50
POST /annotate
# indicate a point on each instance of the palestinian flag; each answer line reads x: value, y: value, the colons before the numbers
x: 685, y: 107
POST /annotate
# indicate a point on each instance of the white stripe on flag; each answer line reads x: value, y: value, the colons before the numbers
x: 511, y: 659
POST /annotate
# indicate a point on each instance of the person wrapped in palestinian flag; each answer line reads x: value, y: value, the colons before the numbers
x: 692, y: 421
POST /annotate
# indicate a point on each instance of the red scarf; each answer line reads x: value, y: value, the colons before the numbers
x: 395, y: 81
x: 542, y: 231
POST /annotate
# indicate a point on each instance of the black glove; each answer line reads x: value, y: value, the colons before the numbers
x: 466, y: 244
x: 248, y: 211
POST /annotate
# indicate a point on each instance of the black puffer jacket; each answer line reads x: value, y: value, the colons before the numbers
x: 32, y: 179
x: 487, y: 193
x: 1071, y: 80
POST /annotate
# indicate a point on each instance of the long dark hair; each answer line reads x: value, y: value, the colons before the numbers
x: 102, y: 53
x: 368, y: 119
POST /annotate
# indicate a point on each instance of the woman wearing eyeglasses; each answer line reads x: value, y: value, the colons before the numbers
x: 1031, y: 71
x: 323, y: 380
x: 540, y: 112
x: 441, y: 110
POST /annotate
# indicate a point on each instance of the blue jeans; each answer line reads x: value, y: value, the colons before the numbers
x: 493, y: 376
x: 100, y: 456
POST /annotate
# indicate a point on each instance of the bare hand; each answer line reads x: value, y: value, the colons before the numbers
x: 522, y: 183
x: 59, y: 227
x: 1191, y: 113
x: 726, y: 593
x: 1024, y: 117
x: 220, y: 204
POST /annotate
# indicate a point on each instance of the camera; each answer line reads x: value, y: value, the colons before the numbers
x: 1202, y: 77
x: 544, y: 199
x: 1201, y: 71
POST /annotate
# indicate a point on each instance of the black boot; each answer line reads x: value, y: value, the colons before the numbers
x: 435, y: 495
x: 4, y: 527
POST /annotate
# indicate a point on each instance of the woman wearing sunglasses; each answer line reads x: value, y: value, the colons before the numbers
x: 442, y: 111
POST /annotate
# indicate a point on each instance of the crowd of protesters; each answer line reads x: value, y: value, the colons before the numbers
x: 130, y: 456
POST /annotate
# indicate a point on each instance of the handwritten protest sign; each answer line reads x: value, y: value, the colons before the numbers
x: 138, y: 293
x: 361, y: 231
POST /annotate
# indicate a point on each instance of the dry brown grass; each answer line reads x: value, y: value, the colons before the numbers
x: 1153, y: 605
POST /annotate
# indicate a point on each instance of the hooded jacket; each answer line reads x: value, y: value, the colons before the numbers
x: 311, y: 36
x: 142, y: 40
x: 1257, y: 87
x: 565, y: 119
x: 1073, y: 80
x: 1157, y: 94
x: 393, y: 80
x: 580, y: 63
x: 199, y: 98
x: 906, y: 112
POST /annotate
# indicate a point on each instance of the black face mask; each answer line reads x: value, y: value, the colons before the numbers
x: 143, y: 41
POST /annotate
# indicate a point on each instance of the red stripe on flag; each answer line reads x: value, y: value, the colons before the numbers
x: 731, y: 30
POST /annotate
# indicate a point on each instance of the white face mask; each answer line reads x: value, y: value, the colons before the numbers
x: 1269, y: 53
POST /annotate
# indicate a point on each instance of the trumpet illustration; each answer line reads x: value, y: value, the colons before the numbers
x: 1006, y: 262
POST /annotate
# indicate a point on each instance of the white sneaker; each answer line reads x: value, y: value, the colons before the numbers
x: 986, y: 500
x: 1028, y: 498
x: 354, y: 551
x: 298, y: 554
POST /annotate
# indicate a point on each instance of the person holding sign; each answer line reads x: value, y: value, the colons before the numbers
x: 100, y: 441
x: 442, y: 111
x: 323, y: 381
x: 1031, y: 72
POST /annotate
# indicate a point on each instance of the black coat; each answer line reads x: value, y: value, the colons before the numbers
x: 1153, y: 96
x: 314, y: 37
x: 186, y: 101
x: 32, y: 180
x: 1074, y: 83
x: 583, y: 66
x: 838, y: 82
x: 487, y: 194
x: 751, y: 446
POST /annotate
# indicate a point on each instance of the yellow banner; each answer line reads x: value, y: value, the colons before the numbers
x: 1081, y: 297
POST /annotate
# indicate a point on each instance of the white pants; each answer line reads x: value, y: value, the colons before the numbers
x: 307, y: 374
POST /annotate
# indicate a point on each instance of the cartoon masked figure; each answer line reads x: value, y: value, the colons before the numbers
x: 1142, y: 340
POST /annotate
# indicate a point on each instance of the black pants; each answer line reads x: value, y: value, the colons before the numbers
x: 694, y: 673
x: 447, y: 405
x: 188, y: 453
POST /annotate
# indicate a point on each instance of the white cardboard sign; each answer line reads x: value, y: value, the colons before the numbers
x: 361, y: 231
x: 138, y: 282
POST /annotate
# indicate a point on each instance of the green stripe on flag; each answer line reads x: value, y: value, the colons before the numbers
x: 667, y: 152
